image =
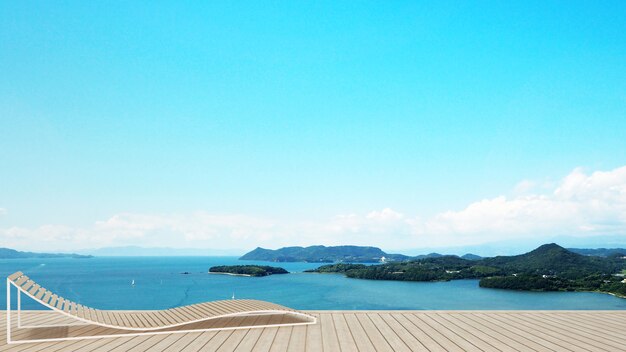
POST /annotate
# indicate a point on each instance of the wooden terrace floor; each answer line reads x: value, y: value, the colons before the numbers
x: 344, y: 331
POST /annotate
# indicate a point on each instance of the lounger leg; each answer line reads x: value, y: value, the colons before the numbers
x: 19, y: 309
x: 8, y: 311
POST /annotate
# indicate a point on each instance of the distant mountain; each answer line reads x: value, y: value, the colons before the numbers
x: 599, y: 252
x: 7, y: 253
x: 470, y: 256
x: 424, y: 256
x: 322, y: 254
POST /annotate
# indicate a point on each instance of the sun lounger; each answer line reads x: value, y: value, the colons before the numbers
x: 174, y: 320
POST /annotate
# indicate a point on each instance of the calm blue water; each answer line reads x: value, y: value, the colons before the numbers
x: 105, y: 283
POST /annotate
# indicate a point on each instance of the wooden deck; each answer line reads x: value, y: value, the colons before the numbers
x: 367, y: 331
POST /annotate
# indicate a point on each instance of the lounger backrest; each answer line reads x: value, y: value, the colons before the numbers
x: 31, y: 287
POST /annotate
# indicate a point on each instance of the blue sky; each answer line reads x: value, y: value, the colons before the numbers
x: 286, y: 116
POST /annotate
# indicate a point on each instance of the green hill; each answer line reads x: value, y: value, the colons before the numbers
x: 322, y: 254
x: 552, y: 259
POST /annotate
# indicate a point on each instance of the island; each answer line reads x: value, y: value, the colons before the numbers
x: 323, y: 254
x: 247, y: 270
x: 547, y: 268
x: 7, y: 253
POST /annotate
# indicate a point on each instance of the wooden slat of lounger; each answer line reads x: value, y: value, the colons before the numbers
x: 195, y: 312
x: 46, y: 298
x: 171, y: 318
x: 90, y: 314
x: 127, y: 319
x: 42, y: 291
x: 33, y: 289
x: 141, y: 320
x: 53, y: 300
x: 73, y: 308
x: 59, y: 304
x: 178, y: 315
x: 67, y: 306
x: 153, y: 319
x: 80, y: 311
x: 21, y: 281
x: 236, y: 306
x: 100, y: 318
x: 253, y: 305
x: 15, y: 276
x: 209, y: 309
x: 28, y: 285
x: 156, y: 317
x: 109, y: 317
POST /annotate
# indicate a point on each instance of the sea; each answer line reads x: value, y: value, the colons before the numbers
x: 166, y: 282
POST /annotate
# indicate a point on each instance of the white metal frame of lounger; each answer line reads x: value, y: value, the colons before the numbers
x: 135, y: 331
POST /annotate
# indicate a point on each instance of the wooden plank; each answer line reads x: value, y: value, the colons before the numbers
x: 573, y: 334
x: 297, y: 341
x: 197, y: 343
x: 587, y: 325
x: 248, y: 342
x: 435, y: 334
x: 417, y: 333
x: 493, y: 337
x: 344, y: 335
x: 377, y: 339
x: 314, y: 336
x: 462, y: 333
x: 330, y: 343
x: 217, y: 340
x: 156, y: 343
x: 392, y: 338
x: 556, y: 335
x: 361, y: 340
x: 409, y: 340
x: 535, y: 333
x: 281, y: 340
x: 604, y: 325
x: 524, y: 339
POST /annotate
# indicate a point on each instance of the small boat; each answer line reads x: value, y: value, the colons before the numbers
x: 133, y: 283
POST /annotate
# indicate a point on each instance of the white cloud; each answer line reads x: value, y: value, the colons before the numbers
x: 578, y: 205
x: 3, y: 211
